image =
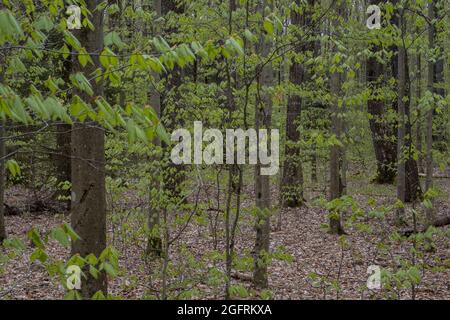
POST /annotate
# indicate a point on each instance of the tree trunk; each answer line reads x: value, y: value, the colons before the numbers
x: 430, y: 213
x: 336, y: 186
x: 413, y: 189
x: 263, y: 119
x: 440, y: 137
x: 3, y: 234
x: 232, y: 169
x: 154, y: 242
x: 382, y: 130
x: 88, y: 166
x: 314, y: 149
x: 173, y: 175
x: 406, y: 163
x: 401, y: 170
x: 434, y: 76
x: 292, y: 181
x: 419, y: 126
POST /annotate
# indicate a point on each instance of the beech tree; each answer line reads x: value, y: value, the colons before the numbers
x: 263, y: 119
x: 3, y: 233
x: 292, y: 181
x: 434, y: 79
x: 88, y: 217
x: 382, y: 129
x: 336, y: 156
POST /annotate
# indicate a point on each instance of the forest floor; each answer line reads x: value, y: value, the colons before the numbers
x: 302, y: 236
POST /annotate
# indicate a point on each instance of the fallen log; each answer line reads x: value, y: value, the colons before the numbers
x: 423, y: 175
x: 440, y: 222
x: 242, y: 276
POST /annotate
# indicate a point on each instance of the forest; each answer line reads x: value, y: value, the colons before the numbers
x: 224, y: 150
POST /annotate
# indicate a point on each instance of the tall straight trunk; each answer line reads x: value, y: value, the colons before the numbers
x: 401, y: 167
x: 154, y: 243
x: 405, y: 160
x: 419, y: 125
x: 232, y: 174
x: 413, y: 189
x: 431, y: 80
x: 314, y: 149
x: 3, y: 234
x: 336, y: 185
x: 440, y: 134
x: 382, y: 130
x: 88, y: 166
x: 292, y: 181
x: 173, y: 175
x: 263, y: 119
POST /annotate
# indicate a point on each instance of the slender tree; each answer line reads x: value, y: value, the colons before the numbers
x: 419, y: 124
x: 263, y: 119
x: 405, y: 151
x: 231, y: 104
x: 3, y: 233
x: 435, y: 75
x: 153, y: 222
x: 292, y: 180
x: 382, y: 130
x: 401, y: 167
x: 336, y: 185
x: 88, y: 166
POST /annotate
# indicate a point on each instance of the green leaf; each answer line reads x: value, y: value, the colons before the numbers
x: 70, y: 232
x: 131, y: 129
x: 61, y: 236
x: 266, y: 294
x: 93, y: 271
x: 84, y: 58
x: 160, y: 44
x: 73, y: 295
x: 113, y: 38
x: 80, y: 82
x: 71, y: 40
x: 10, y: 28
x: 427, y: 204
x: 13, y: 167
x: 239, y: 290
x: 250, y: 36
x: 268, y: 26
x: 14, y: 243
x: 414, y: 275
x: 18, y: 111
x: 234, y: 46
x: 155, y: 64
x: 98, y: 296
x: 162, y: 133
x: 92, y: 259
x: 35, y: 237
x: 40, y: 255
x: 44, y: 23
x: 109, y: 269
x: 51, y: 85
x: 108, y: 58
